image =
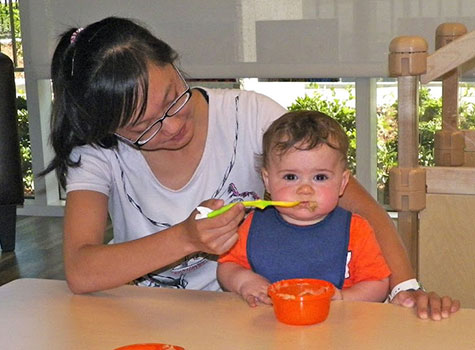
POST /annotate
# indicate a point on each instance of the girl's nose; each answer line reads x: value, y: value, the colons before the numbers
x: 171, y: 124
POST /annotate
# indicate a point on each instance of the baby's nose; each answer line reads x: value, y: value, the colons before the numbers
x: 305, y: 189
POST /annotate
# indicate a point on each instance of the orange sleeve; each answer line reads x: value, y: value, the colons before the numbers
x: 238, y: 253
x: 366, y: 261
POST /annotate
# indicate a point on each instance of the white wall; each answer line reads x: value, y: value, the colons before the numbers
x: 248, y: 38
x: 238, y: 38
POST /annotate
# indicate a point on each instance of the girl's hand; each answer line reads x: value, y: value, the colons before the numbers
x: 213, y: 235
x: 427, y: 304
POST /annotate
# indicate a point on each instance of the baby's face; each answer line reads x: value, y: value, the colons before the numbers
x: 316, y: 178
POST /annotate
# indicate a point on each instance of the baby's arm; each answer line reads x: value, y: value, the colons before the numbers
x: 248, y: 284
x: 367, y: 274
x: 365, y: 291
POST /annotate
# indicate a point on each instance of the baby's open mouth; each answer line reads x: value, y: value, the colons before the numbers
x: 310, y: 205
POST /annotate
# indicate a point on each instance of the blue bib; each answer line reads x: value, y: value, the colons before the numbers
x: 278, y: 250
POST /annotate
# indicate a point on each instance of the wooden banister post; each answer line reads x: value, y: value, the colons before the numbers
x: 407, y: 61
x: 449, y: 142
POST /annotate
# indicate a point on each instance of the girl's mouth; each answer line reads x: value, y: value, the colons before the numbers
x: 180, y: 134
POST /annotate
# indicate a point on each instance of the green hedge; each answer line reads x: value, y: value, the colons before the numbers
x: 5, y: 26
x: 25, y: 146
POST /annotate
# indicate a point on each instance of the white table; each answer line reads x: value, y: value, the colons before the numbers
x: 43, y: 314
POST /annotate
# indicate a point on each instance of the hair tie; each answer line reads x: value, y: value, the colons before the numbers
x: 72, y: 40
x: 74, y: 36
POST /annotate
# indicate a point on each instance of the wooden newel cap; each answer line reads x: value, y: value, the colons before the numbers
x: 407, y: 189
x: 407, y: 56
x: 408, y: 44
x: 447, y: 32
x: 449, y: 148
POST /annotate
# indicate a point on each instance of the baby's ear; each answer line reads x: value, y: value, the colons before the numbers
x: 344, y: 181
x: 265, y: 177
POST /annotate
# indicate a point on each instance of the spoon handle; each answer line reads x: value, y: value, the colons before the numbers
x: 221, y: 210
x: 261, y: 204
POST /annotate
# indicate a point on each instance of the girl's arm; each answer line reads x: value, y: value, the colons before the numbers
x: 91, y: 265
x: 356, y: 199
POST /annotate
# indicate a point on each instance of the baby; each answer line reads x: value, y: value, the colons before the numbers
x: 305, y: 159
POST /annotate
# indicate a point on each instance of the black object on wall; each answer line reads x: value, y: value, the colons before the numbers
x: 11, y: 182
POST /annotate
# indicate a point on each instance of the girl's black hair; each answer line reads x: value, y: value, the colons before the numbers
x: 100, y: 81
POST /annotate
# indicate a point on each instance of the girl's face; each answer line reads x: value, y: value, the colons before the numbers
x: 165, y: 85
x: 316, y: 178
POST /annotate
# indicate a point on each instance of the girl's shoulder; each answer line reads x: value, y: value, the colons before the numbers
x: 96, y: 156
x: 79, y: 152
x: 246, y: 96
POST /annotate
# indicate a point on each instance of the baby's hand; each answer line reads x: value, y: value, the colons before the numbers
x: 338, y: 295
x: 254, y: 291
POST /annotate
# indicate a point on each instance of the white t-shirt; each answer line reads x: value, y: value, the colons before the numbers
x: 139, y: 205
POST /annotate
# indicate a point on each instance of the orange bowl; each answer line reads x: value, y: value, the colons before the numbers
x: 150, y: 346
x: 301, y: 301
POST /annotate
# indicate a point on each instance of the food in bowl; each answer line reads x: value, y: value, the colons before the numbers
x: 301, y: 301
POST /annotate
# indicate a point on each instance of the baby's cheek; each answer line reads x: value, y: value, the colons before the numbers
x: 327, y: 200
x: 283, y: 194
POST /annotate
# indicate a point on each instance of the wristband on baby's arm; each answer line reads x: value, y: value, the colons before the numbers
x: 409, y: 285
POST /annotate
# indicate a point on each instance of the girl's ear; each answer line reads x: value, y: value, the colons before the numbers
x: 344, y: 181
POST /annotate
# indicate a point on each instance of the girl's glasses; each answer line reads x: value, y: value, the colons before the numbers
x: 153, y: 129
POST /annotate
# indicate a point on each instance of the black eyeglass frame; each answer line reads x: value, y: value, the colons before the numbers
x: 138, y: 143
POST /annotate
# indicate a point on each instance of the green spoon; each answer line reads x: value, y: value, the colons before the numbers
x: 261, y: 204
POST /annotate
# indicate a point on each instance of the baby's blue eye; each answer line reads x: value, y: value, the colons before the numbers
x: 320, y: 177
x: 290, y: 177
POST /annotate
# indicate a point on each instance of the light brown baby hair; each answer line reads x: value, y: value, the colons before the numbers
x: 303, y: 130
